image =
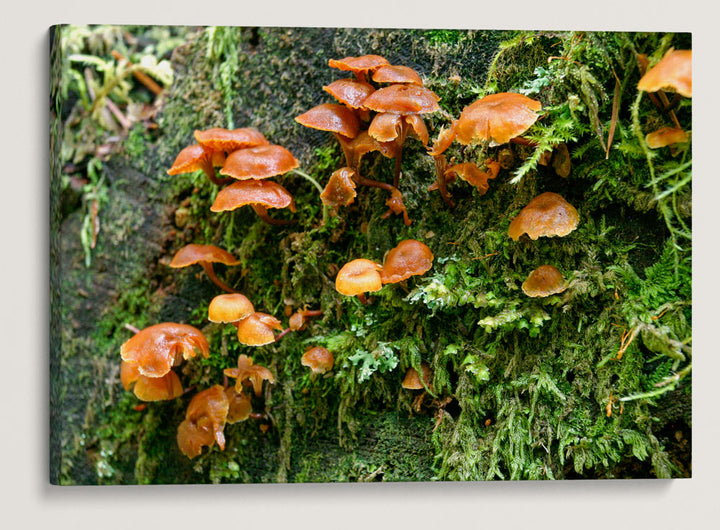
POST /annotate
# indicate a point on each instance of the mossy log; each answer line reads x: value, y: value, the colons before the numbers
x: 523, y: 388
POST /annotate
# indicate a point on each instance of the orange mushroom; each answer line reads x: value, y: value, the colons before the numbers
x: 195, y: 158
x: 396, y: 74
x: 340, y: 189
x: 205, y: 256
x: 350, y: 92
x: 156, y: 349
x: 257, y: 329
x: 334, y: 118
x: 544, y: 281
x: 496, y: 118
x: 409, y: 258
x: 259, y: 194
x: 298, y: 320
x: 252, y: 373
x: 470, y: 173
x: 204, y: 422
x: 674, y: 71
x: 318, y: 359
x: 359, y: 66
x: 259, y: 162
x: 412, y: 380
x: 665, y: 136
x: 399, y: 107
x: 219, y: 139
x: 239, y: 405
x: 229, y: 308
x: 358, y: 277
x: 547, y: 215
x: 146, y: 388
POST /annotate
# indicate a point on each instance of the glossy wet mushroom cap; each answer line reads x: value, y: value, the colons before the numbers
x: 544, y: 281
x: 396, y: 74
x: 547, y: 215
x: 156, y: 349
x: 196, y: 254
x: 358, y: 65
x: 674, y: 71
x: 403, y: 99
x: 318, y: 359
x: 257, y: 329
x: 350, y: 92
x: 259, y: 162
x: 240, y: 406
x: 357, y: 277
x: 145, y: 388
x: 331, y: 117
x: 229, y: 308
x: 192, y: 158
x: 266, y: 193
x: 496, y: 118
x: 409, y: 258
x: 219, y: 139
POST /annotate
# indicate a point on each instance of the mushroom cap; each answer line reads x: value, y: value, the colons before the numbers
x: 358, y: 276
x: 360, y: 64
x: 318, y: 359
x: 240, y: 406
x: 156, y: 349
x: 192, y: 158
x: 259, y: 162
x: 351, y: 92
x: 544, y: 281
x: 412, y: 378
x: 496, y: 118
x: 547, y: 215
x: 403, y: 99
x: 204, y: 421
x: 665, y: 136
x: 219, y: 139
x: 408, y: 258
x: 340, y: 189
x: 470, y: 173
x: 264, y: 192
x: 227, y: 308
x: 674, y: 71
x: 257, y: 329
x: 150, y: 388
x: 192, y: 254
x: 385, y: 126
x: 247, y: 371
x: 363, y: 143
x: 396, y: 74
x: 331, y: 117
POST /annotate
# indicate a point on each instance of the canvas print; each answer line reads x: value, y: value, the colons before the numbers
x: 359, y: 255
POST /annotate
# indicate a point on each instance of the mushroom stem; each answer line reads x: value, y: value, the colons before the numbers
x: 363, y: 299
x: 668, y: 108
x: 523, y: 141
x: 210, y: 271
x: 399, y: 141
x: 440, y: 166
x: 311, y: 312
x: 282, y: 334
x: 261, y: 211
x: 209, y: 171
x: 346, y: 148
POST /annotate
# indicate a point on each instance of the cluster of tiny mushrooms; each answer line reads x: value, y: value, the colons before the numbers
x: 367, y: 118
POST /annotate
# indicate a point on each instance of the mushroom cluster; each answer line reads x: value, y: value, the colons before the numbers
x: 377, y: 110
x: 359, y: 276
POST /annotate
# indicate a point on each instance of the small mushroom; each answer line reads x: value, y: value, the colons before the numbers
x: 204, y: 422
x: 412, y: 379
x: 205, y: 256
x: 547, y: 215
x: 340, y: 189
x: 146, y: 388
x: 195, y: 158
x: 156, y: 349
x: 219, y: 139
x: 257, y: 329
x: 229, y: 308
x: 259, y: 162
x: 334, y: 118
x: 673, y: 71
x: 396, y: 74
x: 665, y: 136
x: 409, y: 258
x: 239, y: 405
x: 255, y: 374
x: 298, y: 320
x: 258, y: 194
x: 350, y: 92
x: 358, y: 277
x: 318, y: 359
x: 360, y: 66
x: 544, y: 281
